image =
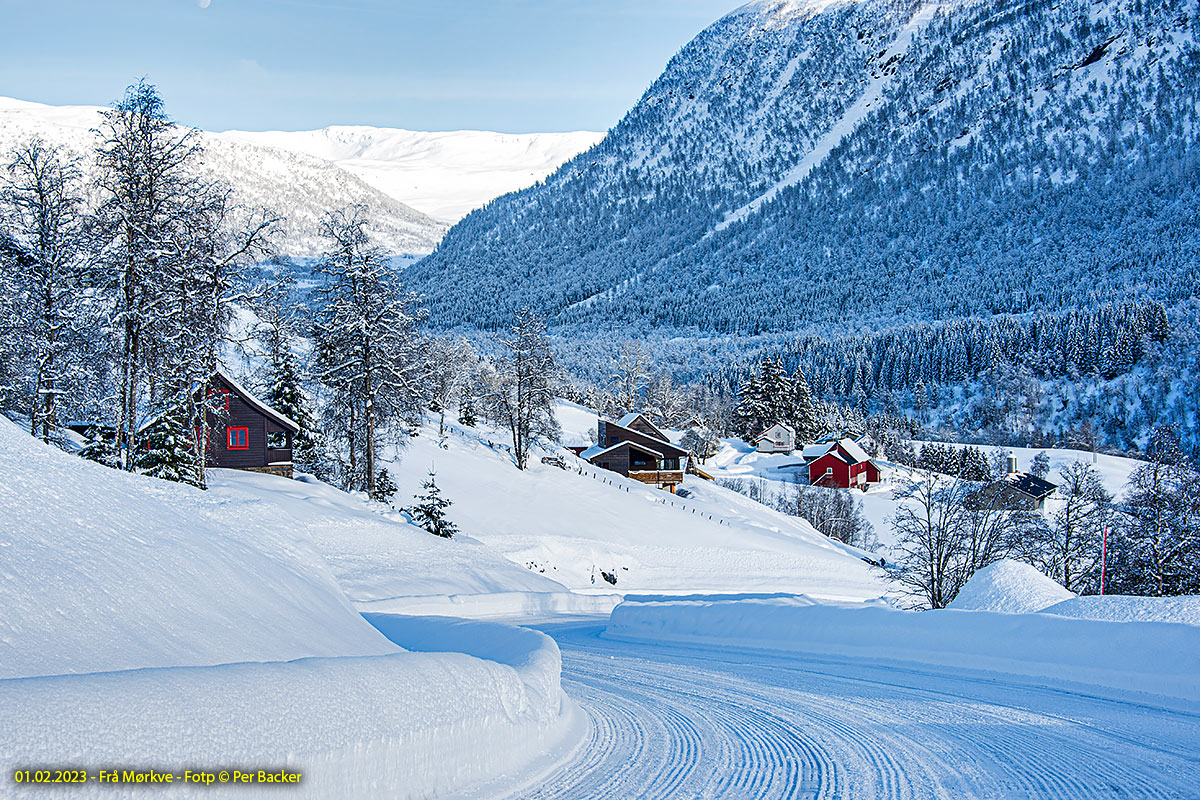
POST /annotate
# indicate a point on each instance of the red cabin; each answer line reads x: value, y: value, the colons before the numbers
x: 843, y: 465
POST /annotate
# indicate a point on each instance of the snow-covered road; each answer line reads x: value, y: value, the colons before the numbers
x: 676, y: 722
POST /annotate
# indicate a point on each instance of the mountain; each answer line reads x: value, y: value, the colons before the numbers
x: 445, y: 174
x: 301, y: 188
x: 807, y: 166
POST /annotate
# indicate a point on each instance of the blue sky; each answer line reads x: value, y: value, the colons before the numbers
x: 508, y: 65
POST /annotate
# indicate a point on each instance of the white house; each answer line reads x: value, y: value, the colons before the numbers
x: 778, y: 438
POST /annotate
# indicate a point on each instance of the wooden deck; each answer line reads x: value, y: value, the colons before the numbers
x: 657, y: 477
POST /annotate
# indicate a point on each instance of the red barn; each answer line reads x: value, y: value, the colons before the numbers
x: 842, y: 465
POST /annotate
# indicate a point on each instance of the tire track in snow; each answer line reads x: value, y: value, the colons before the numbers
x: 675, y: 722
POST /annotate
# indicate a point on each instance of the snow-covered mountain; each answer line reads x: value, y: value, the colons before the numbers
x: 802, y: 164
x: 300, y: 175
x: 299, y: 187
x: 445, y: 174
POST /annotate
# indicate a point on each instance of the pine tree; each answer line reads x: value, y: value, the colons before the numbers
x: 803, y: 411
x: 385, y: 487
x: 521, y: 397
x: 429, y: 512
x: 466, y: 411
x: 168, y: 450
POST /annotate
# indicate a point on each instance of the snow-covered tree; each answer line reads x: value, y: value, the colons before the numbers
x: 1068, y: 548
x: 1157, y: 551
x: 368, y: 349
x: 429, y: 510
x: 41, y: 208
x: 631, y: 375
x: 172, y: 251
x: 521, y: 397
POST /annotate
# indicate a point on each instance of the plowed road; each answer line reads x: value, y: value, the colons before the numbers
x: 674, y: 722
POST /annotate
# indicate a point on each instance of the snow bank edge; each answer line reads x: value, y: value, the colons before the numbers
x: 413, y: 724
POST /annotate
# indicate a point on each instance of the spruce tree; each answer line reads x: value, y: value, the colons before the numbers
x: 169, y: 451
x: 385, y: 487
x: 429, y: 512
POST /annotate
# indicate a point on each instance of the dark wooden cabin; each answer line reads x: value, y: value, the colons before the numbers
x: 244, y: 432
x: 636, y: 448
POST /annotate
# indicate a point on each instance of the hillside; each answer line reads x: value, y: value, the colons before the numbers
x: 445, y: 174
x: 574, y: 525
x: 299, y: 187
x: 866, y: 163
x: 104, y: 571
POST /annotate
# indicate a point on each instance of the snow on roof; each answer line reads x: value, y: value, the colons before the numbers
x: 594, y: 450
x: 835, y: 454
x: 854, y: 451
x: 253, y: 401
x: 816, y: 450
x: 632, y: 416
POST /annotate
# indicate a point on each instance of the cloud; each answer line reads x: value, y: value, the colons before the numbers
x: 203, y: 3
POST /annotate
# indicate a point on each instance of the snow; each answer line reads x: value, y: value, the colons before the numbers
x: 849, y: 121
x: 153, y: 624
x: 1139, y: 656
x: 102, y: 570
x: 444, y: 174
x: 384, y: 563
x: 590, y: 521
x: 407, y: 725
x: 1123, y: 608
x: 1010, y: 587
x: 691, y: 720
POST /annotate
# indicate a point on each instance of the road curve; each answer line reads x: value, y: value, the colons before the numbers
x: 676, y: 722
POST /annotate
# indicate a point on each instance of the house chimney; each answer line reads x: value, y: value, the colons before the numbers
x: 1012, y: 464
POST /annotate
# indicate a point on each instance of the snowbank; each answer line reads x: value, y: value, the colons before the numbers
x: 402, y: 725
x: 1140, y: 656
x: 386, y: 564
x: 101, y: 570
x: 1123, y: 608
x: 1010, y: 587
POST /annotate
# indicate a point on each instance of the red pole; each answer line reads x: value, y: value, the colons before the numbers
x: 1103, y: 559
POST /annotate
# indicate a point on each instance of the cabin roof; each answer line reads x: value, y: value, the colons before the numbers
x: 1031, y: 485
x: 817, y: 450
x: 853, y: 450
x: 255, y: 403
x: 632, y: 417
x: 770, y: 428
x: 589, y: 455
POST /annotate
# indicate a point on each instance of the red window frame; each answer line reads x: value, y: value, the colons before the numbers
x: 241, y: 442
x: 218, y: 399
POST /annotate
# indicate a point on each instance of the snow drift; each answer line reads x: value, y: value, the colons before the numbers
x: 1123, y: 608
x: 386, y: 564
x: 1011, y: 587
x: 103, y: 570
x: 125, y: 599
x: 1143, y: 656
x: 408, y: 725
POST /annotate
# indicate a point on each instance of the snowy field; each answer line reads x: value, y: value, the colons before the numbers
x: 590, y: 521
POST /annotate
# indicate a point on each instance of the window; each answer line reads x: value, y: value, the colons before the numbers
x: 276, y: 440
x: 218, y: 399
x: 239, y: 438
x: 829, y: 470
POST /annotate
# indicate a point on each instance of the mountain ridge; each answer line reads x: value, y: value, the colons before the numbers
x: 1020, y: 157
